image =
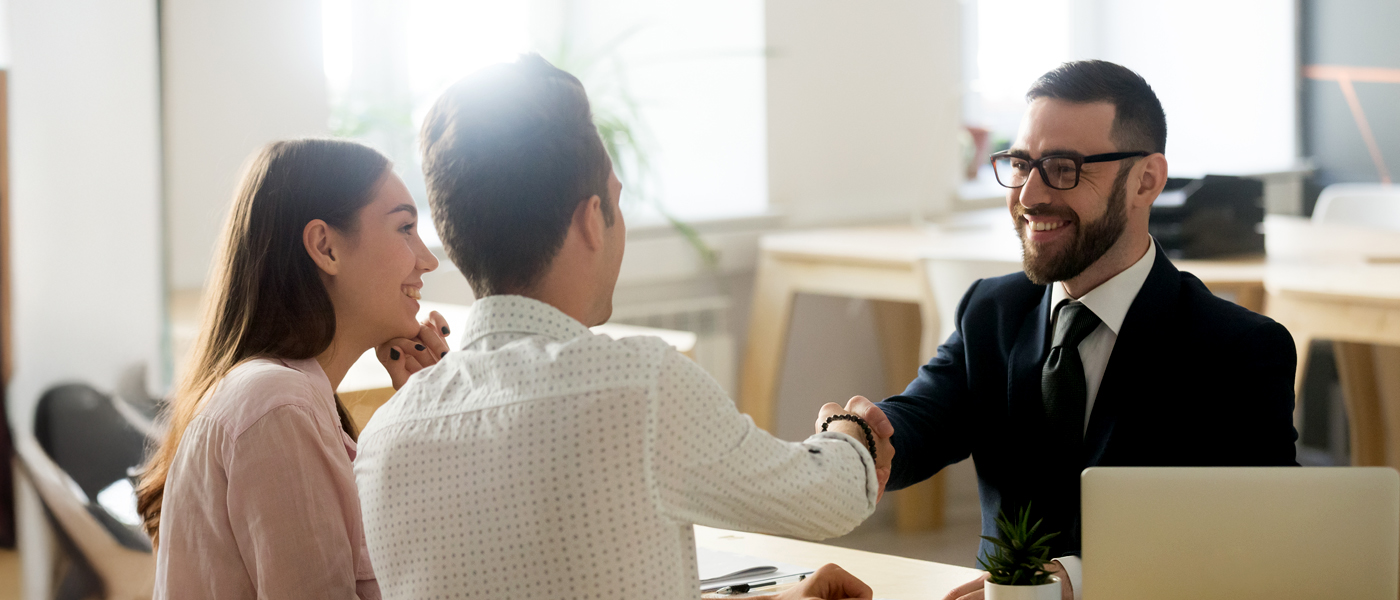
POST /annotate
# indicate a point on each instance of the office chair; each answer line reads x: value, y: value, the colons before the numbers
x: 1359, y: 204
x: 79, y: 446
x: 945, y: 282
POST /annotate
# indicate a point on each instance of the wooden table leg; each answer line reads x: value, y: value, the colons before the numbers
x: 918, y: 507
x: 1387, y: 363
x: 769, y: 321
x: 1356, y: 367
x: 1370, y: 377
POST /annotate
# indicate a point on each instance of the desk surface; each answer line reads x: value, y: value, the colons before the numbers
x: 1302, y: 258
x: 893, y: 577
x: 900, y: 246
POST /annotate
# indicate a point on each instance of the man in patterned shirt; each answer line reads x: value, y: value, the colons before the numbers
x: 543, y: 460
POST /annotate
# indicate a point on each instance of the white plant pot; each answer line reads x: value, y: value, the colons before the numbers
x: 1049, y: 591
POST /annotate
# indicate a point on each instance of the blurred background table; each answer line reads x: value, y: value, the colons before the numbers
x: 1342, y: 284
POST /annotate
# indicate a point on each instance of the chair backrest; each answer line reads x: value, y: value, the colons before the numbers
x: 1359, y: 204
x: 946, y: 281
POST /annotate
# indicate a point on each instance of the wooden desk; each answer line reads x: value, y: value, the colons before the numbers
x: 1357, y: 306
x: 882, y: 264
x: 889, y: 576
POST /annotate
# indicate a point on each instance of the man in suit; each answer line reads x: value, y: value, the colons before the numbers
x: 1101, y: 353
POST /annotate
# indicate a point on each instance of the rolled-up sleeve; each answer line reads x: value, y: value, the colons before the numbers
x: 714, y: 467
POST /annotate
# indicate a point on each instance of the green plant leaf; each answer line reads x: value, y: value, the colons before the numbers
x: 1020, y: 554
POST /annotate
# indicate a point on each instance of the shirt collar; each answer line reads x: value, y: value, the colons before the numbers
x: 518, y: 314
x: 313, y: 371
x: 1112, y: 299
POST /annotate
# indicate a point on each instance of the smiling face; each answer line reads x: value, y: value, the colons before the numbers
x: 1064, y: 232
x: 376, y: 288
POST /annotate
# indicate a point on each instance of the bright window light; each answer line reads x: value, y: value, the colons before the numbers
x: 1014, y: 42
x: 450, y: 39
x: 687, y: 78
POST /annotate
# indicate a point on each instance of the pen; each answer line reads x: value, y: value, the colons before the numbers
x: 744, y: 588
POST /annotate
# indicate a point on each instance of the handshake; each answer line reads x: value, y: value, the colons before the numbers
x: 879, y: 434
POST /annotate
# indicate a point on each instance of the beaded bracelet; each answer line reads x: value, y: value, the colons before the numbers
x: 869, y: 436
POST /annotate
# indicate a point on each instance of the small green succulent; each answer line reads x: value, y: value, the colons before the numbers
x: 1020, y: 556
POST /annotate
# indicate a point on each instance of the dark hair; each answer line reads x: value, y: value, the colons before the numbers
x: 508, y: 154
x: 266, y: 297
x: 1139, y: 124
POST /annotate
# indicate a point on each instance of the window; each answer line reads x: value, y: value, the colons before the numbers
x: 686, y: 78
x: 1007, y: 44
x: 1224, y: 70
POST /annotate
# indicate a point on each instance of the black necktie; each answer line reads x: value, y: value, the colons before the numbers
x: 1062, y: 387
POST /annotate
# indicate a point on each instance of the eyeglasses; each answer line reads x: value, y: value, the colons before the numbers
x: 1060, y: 172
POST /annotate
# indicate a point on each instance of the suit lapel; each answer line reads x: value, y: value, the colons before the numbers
x: 1134, y: 353
x: 1027, y: 355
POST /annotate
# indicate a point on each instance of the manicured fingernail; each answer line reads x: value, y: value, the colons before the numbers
x: 445, y: 331
x: 442, y: 355
x: 419, y: 347
x: 393, y: 354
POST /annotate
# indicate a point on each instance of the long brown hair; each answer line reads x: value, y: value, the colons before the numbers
x: 265, y: 297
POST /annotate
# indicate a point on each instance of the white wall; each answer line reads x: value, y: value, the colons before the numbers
x: 237, y: 75
x: 1225, y: 70
x: 85, y: 209
x: 863, y: 108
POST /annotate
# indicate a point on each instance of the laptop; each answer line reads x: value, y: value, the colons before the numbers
x: 1275, y: 533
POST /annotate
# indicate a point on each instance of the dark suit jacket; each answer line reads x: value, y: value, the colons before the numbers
x: 1193, y: 380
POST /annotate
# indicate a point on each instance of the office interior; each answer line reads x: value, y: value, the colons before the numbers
x: 773, y: 136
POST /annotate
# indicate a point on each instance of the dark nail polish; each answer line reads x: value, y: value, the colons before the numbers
x: 393, y: 354
x: 445, y: 331
x: 442, y: 355
x: 419, y: 347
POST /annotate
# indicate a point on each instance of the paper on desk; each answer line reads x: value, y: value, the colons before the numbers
x: 717, y: 565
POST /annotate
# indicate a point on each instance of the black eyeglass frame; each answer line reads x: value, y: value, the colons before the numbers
x: 1079, y: 162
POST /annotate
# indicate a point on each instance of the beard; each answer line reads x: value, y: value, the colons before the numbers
x: 1091, y: 240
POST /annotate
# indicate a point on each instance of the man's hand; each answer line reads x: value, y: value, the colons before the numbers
x: 973, y: 590
x: 403, y: 357
x: 880, y: 428
x: 884, y: 430
x: 828, y: 583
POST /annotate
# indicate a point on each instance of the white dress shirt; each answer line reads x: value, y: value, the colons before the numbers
x: 1110, y: 303
x: 544, y: 461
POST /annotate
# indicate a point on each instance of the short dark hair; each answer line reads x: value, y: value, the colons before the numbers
x: 508, y: 154
x: 1138, y: 120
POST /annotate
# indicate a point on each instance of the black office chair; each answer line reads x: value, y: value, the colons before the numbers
x: 80, y: 446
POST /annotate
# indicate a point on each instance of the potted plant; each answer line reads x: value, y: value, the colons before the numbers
x: 1017, y: 567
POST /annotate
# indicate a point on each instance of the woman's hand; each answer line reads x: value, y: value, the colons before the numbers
x: 402, y: 357
x: 828, y: 583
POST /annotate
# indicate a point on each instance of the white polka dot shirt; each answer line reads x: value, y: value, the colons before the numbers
x: 544, y: 461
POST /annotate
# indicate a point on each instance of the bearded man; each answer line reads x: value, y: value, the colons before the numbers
x: 1101, y: 353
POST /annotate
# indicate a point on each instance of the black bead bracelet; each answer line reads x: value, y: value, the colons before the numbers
x: 869, y: 436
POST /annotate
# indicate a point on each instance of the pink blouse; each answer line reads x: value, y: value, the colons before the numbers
x: 260, y: 501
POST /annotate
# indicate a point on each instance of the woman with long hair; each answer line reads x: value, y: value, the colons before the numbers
x: 251, y: 493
